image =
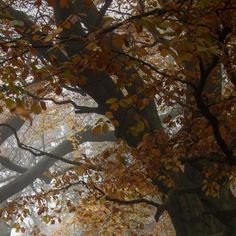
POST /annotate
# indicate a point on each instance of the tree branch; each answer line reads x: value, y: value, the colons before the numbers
x: 159, y: 208
x: 6, y: 162
x: 15, y: 122
x: 142, y: 62
x: 45, y: 163
x: 84, y: 109
x: 80, y: 109
x: 103, y: 10
x: 75, y: 90
x: 37, y: 152
x: 202, y: 106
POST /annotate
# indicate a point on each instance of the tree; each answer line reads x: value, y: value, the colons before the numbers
x: 135, y: 59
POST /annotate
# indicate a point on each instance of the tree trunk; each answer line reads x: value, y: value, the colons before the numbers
x: 190, y: 218
x: 195, y: 214
x: 5, y: 230
x: 192, y: 213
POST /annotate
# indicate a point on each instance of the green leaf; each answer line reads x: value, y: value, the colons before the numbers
x: 36, y: 108
x: 53, y: 34
x: 46, y: 219
x: 10, y: 103
x: 137, y: 128
x: 111, y: 100
x: 17, y: 23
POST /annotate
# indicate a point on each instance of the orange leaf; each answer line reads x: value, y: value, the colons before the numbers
x: 64, y: 3
x: 52, y: 3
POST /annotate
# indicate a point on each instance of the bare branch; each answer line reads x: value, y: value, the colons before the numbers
x: 45, y: 163
x: 37, y: 152
x: 142, y: 62
x: 134, y: 201
x: 80, y: 109
x: 15, y: 122
x: 202, y: 106
x: 103, y: 10
x: 160, y: 208
x: 84, y: 109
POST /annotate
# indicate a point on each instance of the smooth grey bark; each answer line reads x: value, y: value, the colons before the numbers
x: 45, y: 163
x: 11, y: 165
x: 100, y: 86
x: 7, y: 163
x: 5, y: 230
x: 33, y: 173
x: 15, y: 122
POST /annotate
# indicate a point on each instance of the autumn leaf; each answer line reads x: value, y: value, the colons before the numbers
x: 43, y: 105
x: 64, y: 3
x: 52, y: 3
x: 36, y: 108
x: 111, y: 100
x: 52, y: 35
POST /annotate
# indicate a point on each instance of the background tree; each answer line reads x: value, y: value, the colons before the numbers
x: 135, y: 60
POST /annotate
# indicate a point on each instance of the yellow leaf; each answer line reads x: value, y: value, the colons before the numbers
x: 111, y: 100
x: 92, y: 46
x: 109, y: 114
x: 53, y: 34
x: 21, y: 111
x: 80, y: 170
x: 137, y: 128
x: 36, y: 108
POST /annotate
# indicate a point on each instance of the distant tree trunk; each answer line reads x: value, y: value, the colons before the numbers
x: 5, y: 230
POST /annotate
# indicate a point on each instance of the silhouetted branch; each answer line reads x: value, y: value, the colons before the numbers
x: 103, y: 10
x: 80, y: 109
x: 37, y: 152
x: 202, y: 106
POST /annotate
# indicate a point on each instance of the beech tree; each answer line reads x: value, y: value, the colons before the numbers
x: 136, y: 60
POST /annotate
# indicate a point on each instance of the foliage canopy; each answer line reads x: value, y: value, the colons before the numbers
x: 161, y: 77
